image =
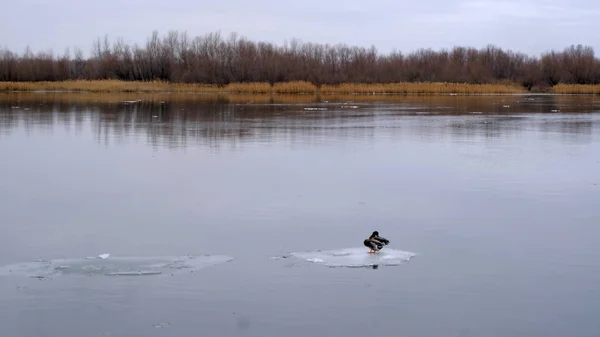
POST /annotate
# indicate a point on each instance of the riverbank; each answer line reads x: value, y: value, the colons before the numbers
x: 297, y: 87
x: 577, y: 89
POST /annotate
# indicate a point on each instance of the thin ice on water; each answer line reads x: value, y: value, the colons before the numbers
x: 355, y: 257
x: 107, y: 265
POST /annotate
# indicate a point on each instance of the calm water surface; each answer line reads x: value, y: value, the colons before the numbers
x: 498, y: 197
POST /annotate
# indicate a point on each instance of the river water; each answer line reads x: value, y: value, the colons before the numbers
x: 490, y: 203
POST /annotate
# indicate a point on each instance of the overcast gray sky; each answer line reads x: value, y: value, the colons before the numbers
x: 528, y: 26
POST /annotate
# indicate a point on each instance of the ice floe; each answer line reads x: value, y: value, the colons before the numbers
x: 354, y: 257
x: 107, y: 265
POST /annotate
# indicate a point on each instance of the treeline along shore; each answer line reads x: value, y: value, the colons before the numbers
x: 177, y: 62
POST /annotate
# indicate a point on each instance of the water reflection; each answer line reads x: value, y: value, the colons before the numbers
x: 215, y: 120
x: 496, y: 194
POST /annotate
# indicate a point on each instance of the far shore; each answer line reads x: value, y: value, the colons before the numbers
x: 299, y: 87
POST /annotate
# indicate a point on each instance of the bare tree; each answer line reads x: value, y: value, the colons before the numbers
x: 210, y: 58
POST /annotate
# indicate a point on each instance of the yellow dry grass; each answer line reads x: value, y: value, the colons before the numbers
x: 254, y: 87
x: 422, y: 88
x: 151, y: 98
x: 105, y: 86
x: 298, y: 87
x: 294, y: 87
x: 114, y: 86
x: 580, y: 89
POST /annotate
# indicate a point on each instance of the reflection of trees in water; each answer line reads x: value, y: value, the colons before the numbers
x: 570, y: 129
x: 41, y: 116
x: 488, y: 127
x: 219, y: 122
x: 176, y: 123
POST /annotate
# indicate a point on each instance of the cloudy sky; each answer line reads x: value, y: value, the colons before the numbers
x: 531, y: 26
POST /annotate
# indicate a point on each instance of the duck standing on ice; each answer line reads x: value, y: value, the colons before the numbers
x: 375, y: 242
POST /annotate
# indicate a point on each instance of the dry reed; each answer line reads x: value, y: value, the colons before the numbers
x: 294, y: 87
x: 105, y: 86
x: 254, y: 87
x: 152, y: 98
x: 580, y: 89
x: 297, y: 87
x: 422, y: 88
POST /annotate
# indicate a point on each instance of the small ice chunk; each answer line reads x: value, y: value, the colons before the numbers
x: 162, y: 325
x: 104, y: 256
x: 134, y: 273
